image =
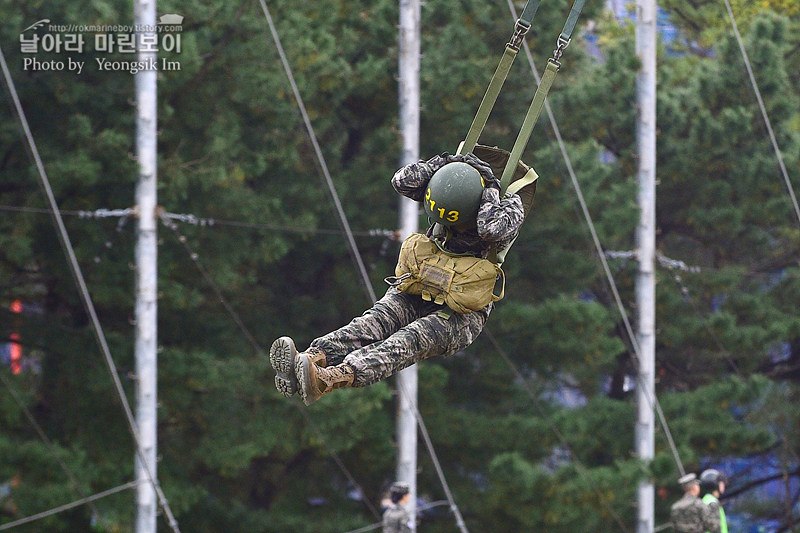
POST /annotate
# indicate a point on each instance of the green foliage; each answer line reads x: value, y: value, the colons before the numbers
x: 545, y: 445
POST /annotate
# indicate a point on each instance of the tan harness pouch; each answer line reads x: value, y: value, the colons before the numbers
x: 463, y: 283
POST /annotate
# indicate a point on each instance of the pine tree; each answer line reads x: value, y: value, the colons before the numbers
x: 533, y: 423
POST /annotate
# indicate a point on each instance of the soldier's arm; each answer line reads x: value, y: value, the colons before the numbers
x: 405, y: 525
x: 412, y: 179
x: 499, y: 219
x: 711, y: 518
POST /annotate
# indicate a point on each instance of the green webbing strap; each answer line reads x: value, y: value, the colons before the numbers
x: 500, y: 255
x: 572, y: 20
x: 535, y: 110
x: 501, y: 73
x: 523, y: 182
x: 537, y: 104
x: 489, y: 100
x: 529, y: 11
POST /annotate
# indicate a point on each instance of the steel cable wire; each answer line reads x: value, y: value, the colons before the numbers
x: 650, y: 395
x: 86, y: 298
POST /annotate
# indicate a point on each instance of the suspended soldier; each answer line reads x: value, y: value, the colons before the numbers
x: 712, y: 484
x: 443, y: 271
x: 396, y: 519
x: 690, y: 514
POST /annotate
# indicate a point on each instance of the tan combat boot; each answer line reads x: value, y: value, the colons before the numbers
x: 314, y: 381
x: 282, y: 357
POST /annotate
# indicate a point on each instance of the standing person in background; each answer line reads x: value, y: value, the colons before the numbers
x: 712, y: 483
x: 396, y: 518
x: 690, y: 514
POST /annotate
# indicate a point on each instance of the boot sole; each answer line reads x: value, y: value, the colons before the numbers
x: 282, y: 357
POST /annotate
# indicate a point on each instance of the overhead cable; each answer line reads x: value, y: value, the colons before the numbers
x: 68, y: 506
x: 320, y: 157
x: 42, y: 435
x: 195, y: 258
x: 97, y: 213
x: 224, y: 301
x: 75, y: 269
x: 194, y: 220
x: 436, y: 464
x: 652, y: 399
x: 763, y: 109
x: 582, y: 470
x: 663, y: 260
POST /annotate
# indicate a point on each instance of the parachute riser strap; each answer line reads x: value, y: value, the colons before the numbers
x: 489, y: 99
x: 523, y: 24
x: 521, y: 28
x: 572, y: 20
x: 569, y: 26
x: 561, y: 45
x: 537, y: 104
x: 520, y: 31
x: 531, y: 117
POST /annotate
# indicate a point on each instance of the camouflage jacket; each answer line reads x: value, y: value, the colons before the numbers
x: 717, y: 524
x: 691, y: 515
x: 498, y: 221
x: 396, y: 520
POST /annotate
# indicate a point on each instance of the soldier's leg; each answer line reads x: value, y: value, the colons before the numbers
x: 394, y: 311
x: 303, y: 372
x: 282, y: 357
x: 428, y: 336
x: 385, y: 317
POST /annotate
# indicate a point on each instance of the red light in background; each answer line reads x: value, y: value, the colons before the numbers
x: 16, y: 348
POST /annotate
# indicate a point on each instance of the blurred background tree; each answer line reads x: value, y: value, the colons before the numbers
x: 534, y: 422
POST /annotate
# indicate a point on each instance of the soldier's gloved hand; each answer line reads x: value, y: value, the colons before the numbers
x: 438, y: 161
x: 483, y: 168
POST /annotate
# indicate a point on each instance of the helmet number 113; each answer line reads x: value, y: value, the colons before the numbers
x: 450, y: 216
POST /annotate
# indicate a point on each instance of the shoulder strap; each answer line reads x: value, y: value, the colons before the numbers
x: 537, y: 104
x: 498, y: 79
x: 534, y: 111
x: 523, y: 182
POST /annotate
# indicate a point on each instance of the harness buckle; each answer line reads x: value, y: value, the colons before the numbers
x: 520, y: 30
x: 561, y: 45
x: 394, y: 281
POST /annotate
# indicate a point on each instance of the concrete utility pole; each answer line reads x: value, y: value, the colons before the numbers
x: 146, y: 273
x: 645, y: 246
x: 409, y: 223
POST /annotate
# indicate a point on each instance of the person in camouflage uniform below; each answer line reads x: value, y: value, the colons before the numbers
x: 690, y: 514
x: 396, y: 518
x: 712, y: 485
x: 401, y: 329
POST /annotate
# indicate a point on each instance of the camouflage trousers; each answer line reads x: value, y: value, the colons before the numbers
x: 398, y: 331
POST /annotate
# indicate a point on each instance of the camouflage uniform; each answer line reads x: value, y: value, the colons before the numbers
x: 691, y: 515
x: 716, y: 522
x: 402, y: 329
x: 498, y: 220
x: 396, y: 520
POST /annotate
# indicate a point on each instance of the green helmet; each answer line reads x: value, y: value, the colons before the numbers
x: 710, y: 480
x: 454, y: 194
